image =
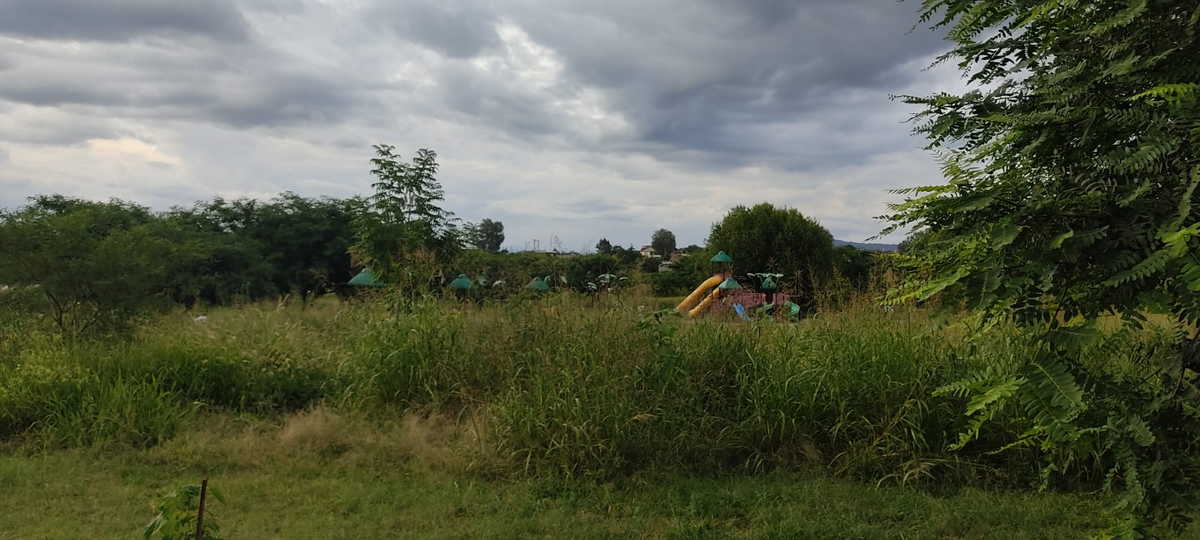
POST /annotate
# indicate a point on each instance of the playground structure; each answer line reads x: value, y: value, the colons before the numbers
x: 722, y: 292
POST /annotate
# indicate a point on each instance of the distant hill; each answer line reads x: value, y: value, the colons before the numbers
x: 872, y: 247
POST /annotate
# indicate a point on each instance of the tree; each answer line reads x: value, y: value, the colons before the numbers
x: 307, y: 242
x: 404, y: 215
x: 663, y: 242
x: 97, y: 264
x: 588, y: 268
x: 650, y: 265
x: 251, y: 249
x: 916, y: 242
x: 210, y: 263
x: 765, y: 238
x: 684, y: 276
x: 626, y: 256
x: 1072, y: 175
x: 604, y: 247
x: 488, y: 235
x: 854, y: 264
x: 692, y: 248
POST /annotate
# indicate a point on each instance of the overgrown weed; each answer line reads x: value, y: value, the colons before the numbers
x: 566, y: 386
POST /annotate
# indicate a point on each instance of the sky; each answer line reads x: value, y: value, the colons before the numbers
x: 566, y: 120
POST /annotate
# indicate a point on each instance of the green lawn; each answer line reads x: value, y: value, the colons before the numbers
x: 273, y: 494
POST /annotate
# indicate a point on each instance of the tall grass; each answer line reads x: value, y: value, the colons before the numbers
x: 565, y: 385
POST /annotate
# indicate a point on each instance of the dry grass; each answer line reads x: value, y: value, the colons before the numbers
x: 436, y: 443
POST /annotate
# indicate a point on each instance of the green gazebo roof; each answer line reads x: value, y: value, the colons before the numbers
x: 461, y: 283
x: 769, y: 284
x: 538, y: 284
x: 721, y: 257
x: 365, y: 279
x: 729, y: 284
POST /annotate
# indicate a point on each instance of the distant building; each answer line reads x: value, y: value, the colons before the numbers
x: 648, y: 251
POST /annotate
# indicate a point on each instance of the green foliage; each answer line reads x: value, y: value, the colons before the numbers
x: 604, y: 247
x: 403, y: 218
x: 97, y: 264
x: 683, y: 277
x: 853, y: 264
x: 225, y: 250
x: 306, y: 242
x: 1070, y: 196
x: 178, y: 513
x: 216, y: 252
x: 916, y: 242
x: 584, y: 269
x: 515, y: 270
x: 663, y: 243
x: 626, y: 257
x: 765, y: 238
x: 487, y: 235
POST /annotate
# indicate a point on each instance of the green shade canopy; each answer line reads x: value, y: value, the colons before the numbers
x: 729, y: 284
x: 769, y: 284
x: 721, y: 257
x: 538, y: 284
x: 365, y: 279
x: 461, y: 283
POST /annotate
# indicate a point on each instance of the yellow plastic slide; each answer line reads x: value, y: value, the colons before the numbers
x: 712, y: 297
x: 686, y: 305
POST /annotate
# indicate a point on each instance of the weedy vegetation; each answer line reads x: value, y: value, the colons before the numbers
x: 578, y: 390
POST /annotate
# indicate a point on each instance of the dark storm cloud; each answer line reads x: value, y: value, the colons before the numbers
x: 236, y: 85
x: 690, y: 76
x: 457, y: 30
x: 518, y: 111
x: 284, y: 99
x: 598, y: 117
x: 584, y: 206
x: 120, y: 20
x: 692, y: 80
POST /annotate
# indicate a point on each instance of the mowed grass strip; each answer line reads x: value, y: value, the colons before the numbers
x: 77, y: 494
x: 323, y: 475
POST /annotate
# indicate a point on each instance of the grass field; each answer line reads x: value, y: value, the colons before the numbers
x: 567, y: 416
x: 312, y: 477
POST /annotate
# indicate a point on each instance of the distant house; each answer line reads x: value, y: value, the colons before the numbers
x: 648, y: 251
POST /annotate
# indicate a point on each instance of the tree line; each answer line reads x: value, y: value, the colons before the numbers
x: 94, y: 265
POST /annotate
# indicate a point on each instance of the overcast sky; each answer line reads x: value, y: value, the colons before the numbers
x: 579, y: 119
